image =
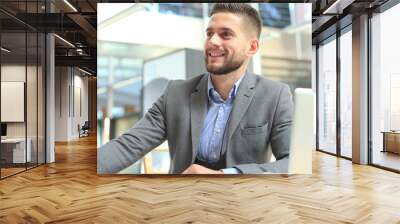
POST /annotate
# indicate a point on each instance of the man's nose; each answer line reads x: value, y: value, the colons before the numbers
x: 214, y: 40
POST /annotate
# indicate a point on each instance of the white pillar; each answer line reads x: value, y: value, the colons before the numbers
x: 360, y: 90
x: 50, y: 100
x: 314, y: 89
x: 50, y: 92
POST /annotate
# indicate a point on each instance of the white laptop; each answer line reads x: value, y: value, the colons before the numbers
x: 301, y: 145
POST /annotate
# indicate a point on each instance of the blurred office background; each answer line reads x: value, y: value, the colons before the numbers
x: 142, y: 46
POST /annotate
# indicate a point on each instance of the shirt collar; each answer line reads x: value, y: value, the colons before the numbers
x: 214, y: 96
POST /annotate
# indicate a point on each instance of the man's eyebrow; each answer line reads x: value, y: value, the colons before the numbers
x: 222, y: 28
x: 227, y: 29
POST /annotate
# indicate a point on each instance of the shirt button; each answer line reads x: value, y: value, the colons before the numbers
x: 218, y: 130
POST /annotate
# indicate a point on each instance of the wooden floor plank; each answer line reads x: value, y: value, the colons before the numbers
x: 70, y: 191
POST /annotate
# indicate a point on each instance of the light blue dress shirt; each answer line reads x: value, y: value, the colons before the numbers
x: 212, y: 134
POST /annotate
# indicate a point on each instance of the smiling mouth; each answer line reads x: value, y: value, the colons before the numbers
x: 215, y: 54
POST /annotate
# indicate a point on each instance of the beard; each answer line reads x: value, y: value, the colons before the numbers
x: 229, y: 66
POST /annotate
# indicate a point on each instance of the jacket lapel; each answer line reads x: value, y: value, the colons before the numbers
x: 198, y: 110
x: 242, y: 101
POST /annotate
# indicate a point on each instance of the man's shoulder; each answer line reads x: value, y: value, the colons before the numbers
x: 266, y: 83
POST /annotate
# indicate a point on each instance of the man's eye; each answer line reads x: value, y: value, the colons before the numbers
x: 208, y: 34
x: 226, y: 34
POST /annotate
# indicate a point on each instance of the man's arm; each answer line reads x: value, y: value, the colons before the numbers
x: 279, y: 138
x: 145, y: 135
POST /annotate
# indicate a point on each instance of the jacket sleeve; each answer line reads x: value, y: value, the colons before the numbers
x: 279, y: 138
x: 145, y: 135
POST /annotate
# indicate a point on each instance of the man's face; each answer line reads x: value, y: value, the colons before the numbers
x: 226, y: 44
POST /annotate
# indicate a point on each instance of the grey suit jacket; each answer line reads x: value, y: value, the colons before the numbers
x: 261, y: 115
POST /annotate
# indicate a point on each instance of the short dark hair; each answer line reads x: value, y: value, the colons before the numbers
x: 241, y: 9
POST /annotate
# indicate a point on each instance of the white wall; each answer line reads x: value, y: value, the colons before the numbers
x: 33, y: 126
x: 81, y: 100
x: 12, y: 73
x: 71, y: 93
x: 61, y: 98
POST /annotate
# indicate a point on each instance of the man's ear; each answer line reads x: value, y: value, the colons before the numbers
x: 254, y: 45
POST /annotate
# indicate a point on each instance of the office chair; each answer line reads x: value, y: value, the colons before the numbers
x: 84, y: 130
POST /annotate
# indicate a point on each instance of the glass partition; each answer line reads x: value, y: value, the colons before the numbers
x: 31, y: 97
x: 22, y: 88
x: 385, y: 89
x: 346, y: 94
x: 14, y: 153
x: 327, y: 96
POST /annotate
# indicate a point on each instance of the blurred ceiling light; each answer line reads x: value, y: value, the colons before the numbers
x: 332, y: 7
x: 126, y: 82
x: 5, y: 50
x: 84, y: 71
x: 70, y: 5
x: 337, y: 7
x: 64, y: 40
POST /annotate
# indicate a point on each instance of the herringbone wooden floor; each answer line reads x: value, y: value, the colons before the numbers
x: 70, y: 191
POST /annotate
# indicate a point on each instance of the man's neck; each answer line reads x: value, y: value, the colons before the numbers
x: 224, y: 83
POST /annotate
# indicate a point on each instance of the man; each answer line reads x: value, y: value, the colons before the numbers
x: 220, y: 122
